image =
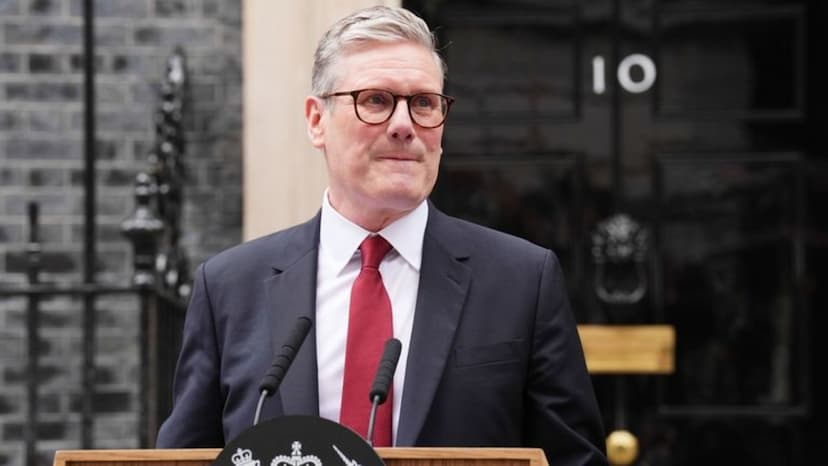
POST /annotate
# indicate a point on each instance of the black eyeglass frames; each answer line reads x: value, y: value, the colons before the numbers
x: 375, y: 106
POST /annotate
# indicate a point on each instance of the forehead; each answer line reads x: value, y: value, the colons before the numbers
x: 380, y: 64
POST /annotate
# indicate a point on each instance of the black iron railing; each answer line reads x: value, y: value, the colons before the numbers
x: 160, y: 279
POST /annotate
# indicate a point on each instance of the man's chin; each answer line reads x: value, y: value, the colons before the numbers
x: 402, y: 200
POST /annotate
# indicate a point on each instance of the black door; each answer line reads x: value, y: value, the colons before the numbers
x: 700, y: 122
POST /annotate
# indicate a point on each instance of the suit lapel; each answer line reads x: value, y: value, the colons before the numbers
x: 444, y: 282
x: 292, y: 294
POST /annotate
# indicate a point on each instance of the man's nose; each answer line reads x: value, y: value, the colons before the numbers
x: 400, y: 125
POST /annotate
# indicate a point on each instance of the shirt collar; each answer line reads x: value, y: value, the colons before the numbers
x: 340, y: 238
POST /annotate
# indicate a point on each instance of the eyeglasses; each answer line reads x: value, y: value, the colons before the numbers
x: 375, y: 106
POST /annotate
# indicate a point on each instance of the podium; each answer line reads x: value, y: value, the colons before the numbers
x: 402, y: 456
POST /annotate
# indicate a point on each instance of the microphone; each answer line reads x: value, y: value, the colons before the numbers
x: 382, y: 381
x: 282, y: 362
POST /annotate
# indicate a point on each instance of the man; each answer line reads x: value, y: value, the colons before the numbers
x: 491, y: 355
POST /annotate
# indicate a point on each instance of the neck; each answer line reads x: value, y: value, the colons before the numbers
x: 370, y: 219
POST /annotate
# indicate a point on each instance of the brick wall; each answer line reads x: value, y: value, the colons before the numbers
x: 41, y: 159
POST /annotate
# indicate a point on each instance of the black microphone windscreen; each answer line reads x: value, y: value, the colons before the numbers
x: 283, y: 360
x: 385, y: 371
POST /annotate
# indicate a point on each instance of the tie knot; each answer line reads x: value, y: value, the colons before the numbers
x: 373, y: 249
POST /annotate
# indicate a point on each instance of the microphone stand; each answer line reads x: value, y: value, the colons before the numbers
x: 370, y: 435
x: 262, y: 397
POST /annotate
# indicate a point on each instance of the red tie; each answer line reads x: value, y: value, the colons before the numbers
x: 369, y: 327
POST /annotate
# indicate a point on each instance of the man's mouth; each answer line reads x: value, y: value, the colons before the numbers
x: 400, y: 158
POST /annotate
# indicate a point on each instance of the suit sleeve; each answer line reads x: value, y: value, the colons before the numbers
x: 562, y: 413
x: 195, y: 421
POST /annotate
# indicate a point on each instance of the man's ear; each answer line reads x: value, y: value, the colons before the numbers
x: 314, y: 117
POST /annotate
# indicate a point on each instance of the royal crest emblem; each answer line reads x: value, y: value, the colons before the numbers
x: 244, y: 458
x: 280, y: 442
x: 296, y: 458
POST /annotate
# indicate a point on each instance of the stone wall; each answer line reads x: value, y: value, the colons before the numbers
x: 41, y: 159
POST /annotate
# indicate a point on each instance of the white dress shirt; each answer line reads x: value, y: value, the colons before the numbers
x: 339, y: 265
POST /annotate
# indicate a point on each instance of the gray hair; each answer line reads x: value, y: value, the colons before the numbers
x: 375, y: 24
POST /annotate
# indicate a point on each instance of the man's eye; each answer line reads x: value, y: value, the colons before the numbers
x: 423, y: 101
x: 375, y: 99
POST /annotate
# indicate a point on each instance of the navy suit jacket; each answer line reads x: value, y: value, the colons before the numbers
x: 495, y: 358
